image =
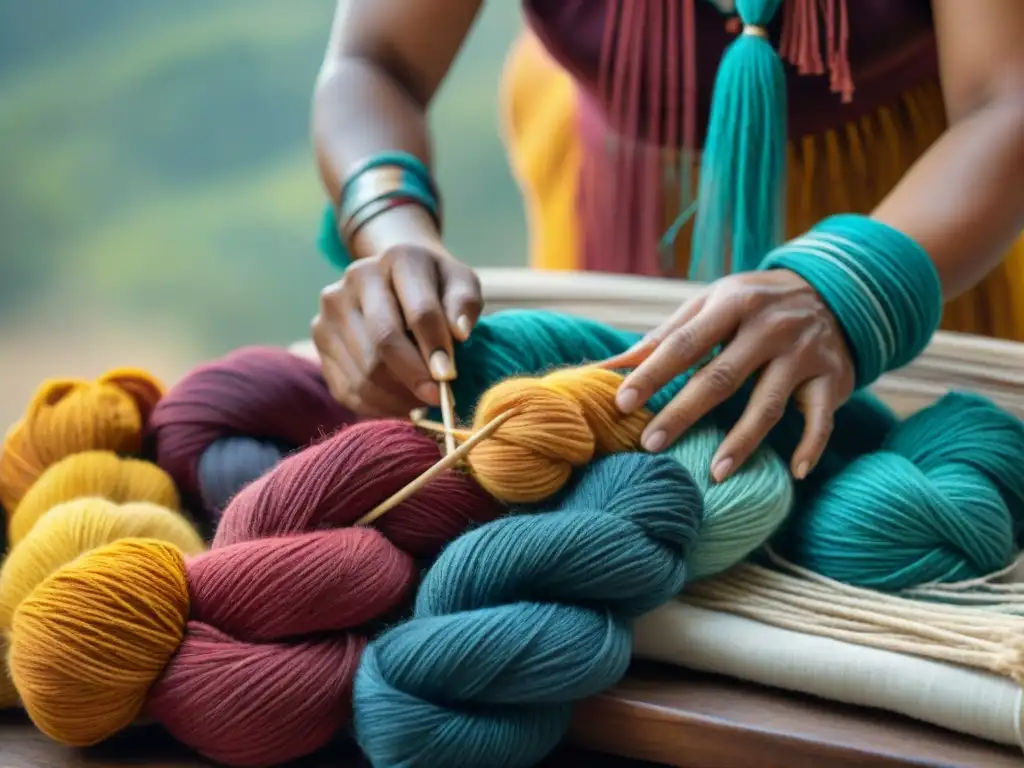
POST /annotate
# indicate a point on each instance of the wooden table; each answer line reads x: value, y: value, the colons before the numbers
x: 660, y: 714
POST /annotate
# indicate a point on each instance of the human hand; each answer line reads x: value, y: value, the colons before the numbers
x: 769, y: 323
x: 383, y: 321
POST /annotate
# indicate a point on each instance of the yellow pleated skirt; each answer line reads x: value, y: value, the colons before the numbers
x: 846, y: 170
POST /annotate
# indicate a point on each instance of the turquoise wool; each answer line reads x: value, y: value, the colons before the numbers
x: 522, y: 617
x: 941, y: 501
x: 741, y: 195
x: 741, y: 513
x: 880, y: 284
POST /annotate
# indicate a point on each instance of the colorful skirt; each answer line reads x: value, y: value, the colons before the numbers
x: 845, y: 170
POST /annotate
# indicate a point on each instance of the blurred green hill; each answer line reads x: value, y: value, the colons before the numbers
x: 157, y: 166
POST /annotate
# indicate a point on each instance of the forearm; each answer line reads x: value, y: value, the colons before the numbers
x: 359, y: 111
x: 963, y: 201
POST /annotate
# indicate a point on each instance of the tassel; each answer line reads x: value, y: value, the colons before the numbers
x: 801, y: 42
x: 741, y: 196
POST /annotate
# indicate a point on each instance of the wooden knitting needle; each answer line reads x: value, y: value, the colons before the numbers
x: 440, y: 369
x: 447, y: 462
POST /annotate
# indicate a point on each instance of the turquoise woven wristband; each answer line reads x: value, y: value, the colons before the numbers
x: 880, y: 284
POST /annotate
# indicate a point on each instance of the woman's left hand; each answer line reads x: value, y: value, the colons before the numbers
x: 769, y: 323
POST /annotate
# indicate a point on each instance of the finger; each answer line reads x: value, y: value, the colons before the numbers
x: 417, y: 285
x: 764, y: 410
x: 462, y: 297
x: 640, y: 351
x: 327, y: 345
x: 378, y: 389
x: 710, y: 387
x: 346, y: 380
x: 817, y: 399
x: 677, y: 353
x: 386, y: 343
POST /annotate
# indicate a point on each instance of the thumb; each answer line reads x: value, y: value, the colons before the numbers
x: 461, y: 297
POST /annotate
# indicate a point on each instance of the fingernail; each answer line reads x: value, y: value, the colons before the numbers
x: 463, y: 326
x: 654, y: 442
x: 626, y: 399
x: 441, y: 367
x: 427, y: 392
x: 720, y: 469
x: 802, y: 469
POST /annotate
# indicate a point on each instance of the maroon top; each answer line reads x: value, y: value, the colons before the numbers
x: 891, y: 49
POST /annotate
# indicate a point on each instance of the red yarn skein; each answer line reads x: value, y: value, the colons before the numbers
x: 285, y: 601
x: 262, y: 392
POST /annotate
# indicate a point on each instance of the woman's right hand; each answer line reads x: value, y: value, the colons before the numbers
x: 387, y: 316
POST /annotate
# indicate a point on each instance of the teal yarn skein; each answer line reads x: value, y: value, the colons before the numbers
x: 741, y: 513
x: 942, y: 500
x: 524, y: 616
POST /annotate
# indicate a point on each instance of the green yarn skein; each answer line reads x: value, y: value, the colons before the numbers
x: 741, y: 513
x: 941, y: 501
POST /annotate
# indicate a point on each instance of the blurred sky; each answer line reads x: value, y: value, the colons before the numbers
x: 159, y: 203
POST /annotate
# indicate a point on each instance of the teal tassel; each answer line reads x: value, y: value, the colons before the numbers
x: 741, y: 197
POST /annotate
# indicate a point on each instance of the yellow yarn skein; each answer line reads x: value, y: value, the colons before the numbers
x: 68, y: 416
x: 101, y: 474
x: 64, y: 534
x: 563, y: 420
x: 95, y: 680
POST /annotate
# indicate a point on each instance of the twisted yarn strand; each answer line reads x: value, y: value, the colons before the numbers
x: 522, y: 617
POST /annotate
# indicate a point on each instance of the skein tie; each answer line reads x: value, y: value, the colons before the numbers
x: 522, y: 617
x: 246, y: 653
x: 227, y: 422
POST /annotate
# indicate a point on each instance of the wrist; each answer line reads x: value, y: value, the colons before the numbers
x: 388, y: 199
x: 880, y: 284
x: 402, y: 225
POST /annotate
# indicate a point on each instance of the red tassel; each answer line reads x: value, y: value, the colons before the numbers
x: 801, y: 42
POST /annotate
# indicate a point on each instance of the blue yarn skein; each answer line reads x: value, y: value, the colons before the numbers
x: 231, y: 463
x: 942, y: 500
x: 522, y: 617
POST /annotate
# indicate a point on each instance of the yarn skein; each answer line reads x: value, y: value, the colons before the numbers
x: 941, y: 501
x: 246, y: 653
x: 741, y: 513
x: 522, y: 617
x: 68, y: 416
x: 229, y: 421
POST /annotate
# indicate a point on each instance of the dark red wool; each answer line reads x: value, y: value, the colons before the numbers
x: 261, y: 392
x: 290, y: 593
